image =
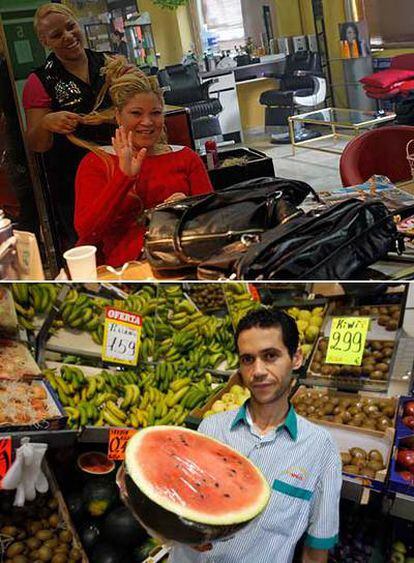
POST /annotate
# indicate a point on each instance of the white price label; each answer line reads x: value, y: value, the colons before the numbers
x: 122, y: 337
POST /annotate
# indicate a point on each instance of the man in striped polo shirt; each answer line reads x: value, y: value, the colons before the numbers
x: 299, y: 459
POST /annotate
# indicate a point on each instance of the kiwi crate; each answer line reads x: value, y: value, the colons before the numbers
x: 385, y: 319
x: 372, y: 375
x: 366, y: 413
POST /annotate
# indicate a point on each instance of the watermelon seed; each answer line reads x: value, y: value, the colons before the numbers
x: 226, y: 495
x: 216, y: 485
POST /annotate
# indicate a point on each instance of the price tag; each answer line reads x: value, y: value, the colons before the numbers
x: 5, y: 456
x: 254, y: 292
x: 122, y: 337
x: 347, y: 340
x: 118, y: 439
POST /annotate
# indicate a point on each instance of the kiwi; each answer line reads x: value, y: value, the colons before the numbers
x: 316, y: 367
x: 346, y: 458
x: 383, y: 423
x: 387, y: 352
x: 346, y: 417
x: 391, y: 325
x: 368, y: 472
x: 328, y: 408
x: 54, y: 520
x: 375, y: 455
x: 65, y: 536
x: 59, y: 558
x: 15, y: 549
x: 389, y: 411
x: 370, y: 409
x: 377, y: 374
x: 44, y: 553
x: 375, y: 465
x: 358, y: 452
x: 351, y: 469
x: 52, y: 543
x: 377, y: 344
x: 338, y: 419
x: 33, y: 543
x: 9, y: 531
x: 370, y: 423
x: 44, y: 535
x: 356, y: 420
x: 383, y: 367
x: 377, y: 355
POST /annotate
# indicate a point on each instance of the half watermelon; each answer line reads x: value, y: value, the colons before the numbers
x: 190, y: 488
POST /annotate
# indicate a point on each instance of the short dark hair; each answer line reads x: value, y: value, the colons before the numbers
x: 271, y: 318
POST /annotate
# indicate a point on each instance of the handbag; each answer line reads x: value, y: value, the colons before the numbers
x: 336, y: 243
x: 184, y: 233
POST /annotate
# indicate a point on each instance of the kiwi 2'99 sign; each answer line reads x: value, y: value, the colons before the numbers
x: 122, y: 337
x: 347, y: 340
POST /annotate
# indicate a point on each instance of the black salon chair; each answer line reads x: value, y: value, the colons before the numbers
x: 302, y: 89
x: 183, y: 87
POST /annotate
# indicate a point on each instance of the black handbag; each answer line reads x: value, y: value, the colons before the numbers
x: 336, y: 243
x: 182, y: 234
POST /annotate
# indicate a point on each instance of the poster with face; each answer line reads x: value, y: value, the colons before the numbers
x: 354, y: 39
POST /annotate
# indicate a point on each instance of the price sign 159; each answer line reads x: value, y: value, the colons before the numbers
x: 347, y: 340
x: 122, y: 337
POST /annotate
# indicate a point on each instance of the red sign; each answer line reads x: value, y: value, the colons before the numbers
x: 123, y: 316
x: 118, y: 439
x: 5, y: 456
x: 254, y: 292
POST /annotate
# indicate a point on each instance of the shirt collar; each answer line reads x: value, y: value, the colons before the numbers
x: 290, y: 423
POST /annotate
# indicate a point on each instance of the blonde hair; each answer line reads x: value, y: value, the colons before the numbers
x: 123, y: 81
x: 51, y: 8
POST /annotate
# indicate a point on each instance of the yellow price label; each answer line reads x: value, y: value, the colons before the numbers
x: 122, y: 337
x: 347, y: 340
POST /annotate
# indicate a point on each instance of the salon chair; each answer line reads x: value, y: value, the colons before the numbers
x: 183, y: 87
x: 302, y: 89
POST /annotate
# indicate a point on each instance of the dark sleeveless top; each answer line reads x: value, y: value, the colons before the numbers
x: 70, y: 93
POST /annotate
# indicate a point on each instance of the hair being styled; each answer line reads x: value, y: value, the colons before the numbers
x: 123, y: 81
x: 51, y: 8
x: 271, y: 318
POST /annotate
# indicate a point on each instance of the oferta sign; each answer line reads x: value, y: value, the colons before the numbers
x: 122, y: 337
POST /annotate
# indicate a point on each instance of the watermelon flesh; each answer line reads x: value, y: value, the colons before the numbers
x: 188, y: 487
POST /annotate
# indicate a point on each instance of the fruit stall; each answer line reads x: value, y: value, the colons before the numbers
x: 73, y: 378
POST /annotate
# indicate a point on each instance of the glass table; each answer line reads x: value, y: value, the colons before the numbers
x: 337, y: 120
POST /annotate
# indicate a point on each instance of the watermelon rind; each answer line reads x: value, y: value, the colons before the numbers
x: 135, y: 478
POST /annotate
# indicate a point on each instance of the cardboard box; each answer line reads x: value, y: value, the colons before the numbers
x: 347, y: 438
x: 354, y: 397
x: 353, y: 379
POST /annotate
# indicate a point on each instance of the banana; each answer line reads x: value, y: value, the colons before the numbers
x: 91, y: 389
x: 112, y: 420
x: 180, y: 383
x: 176, y: 398
x: 116, y: 411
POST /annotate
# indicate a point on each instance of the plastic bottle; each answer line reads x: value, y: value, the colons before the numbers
x: 211, y: 154
x: 355, y: 49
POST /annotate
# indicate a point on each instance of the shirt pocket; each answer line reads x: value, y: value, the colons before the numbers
x: 288, y: 508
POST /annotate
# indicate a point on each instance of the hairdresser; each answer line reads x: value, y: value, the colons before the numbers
x: 55, y: 98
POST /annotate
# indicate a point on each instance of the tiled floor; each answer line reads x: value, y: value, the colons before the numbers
x: 319, y: 169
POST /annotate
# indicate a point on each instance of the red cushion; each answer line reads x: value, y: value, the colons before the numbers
x: 387, y: 78
x: 394, y: 90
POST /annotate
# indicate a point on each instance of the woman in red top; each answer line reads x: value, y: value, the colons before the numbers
x: 115, y: 185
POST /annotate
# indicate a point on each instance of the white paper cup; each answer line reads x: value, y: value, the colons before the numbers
x: 81, y: 262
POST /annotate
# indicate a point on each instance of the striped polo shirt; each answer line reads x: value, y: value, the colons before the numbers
x: 302, y: 466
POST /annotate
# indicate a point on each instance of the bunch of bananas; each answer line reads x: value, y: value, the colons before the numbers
x: 31, y: 300
x: 239, y: 301
x: 126, y: 399
x: 84, y: 313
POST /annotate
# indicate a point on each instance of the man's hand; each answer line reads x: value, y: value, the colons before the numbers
x: 311, y: 555
x: 63, y: 122
x: 129, y: 163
